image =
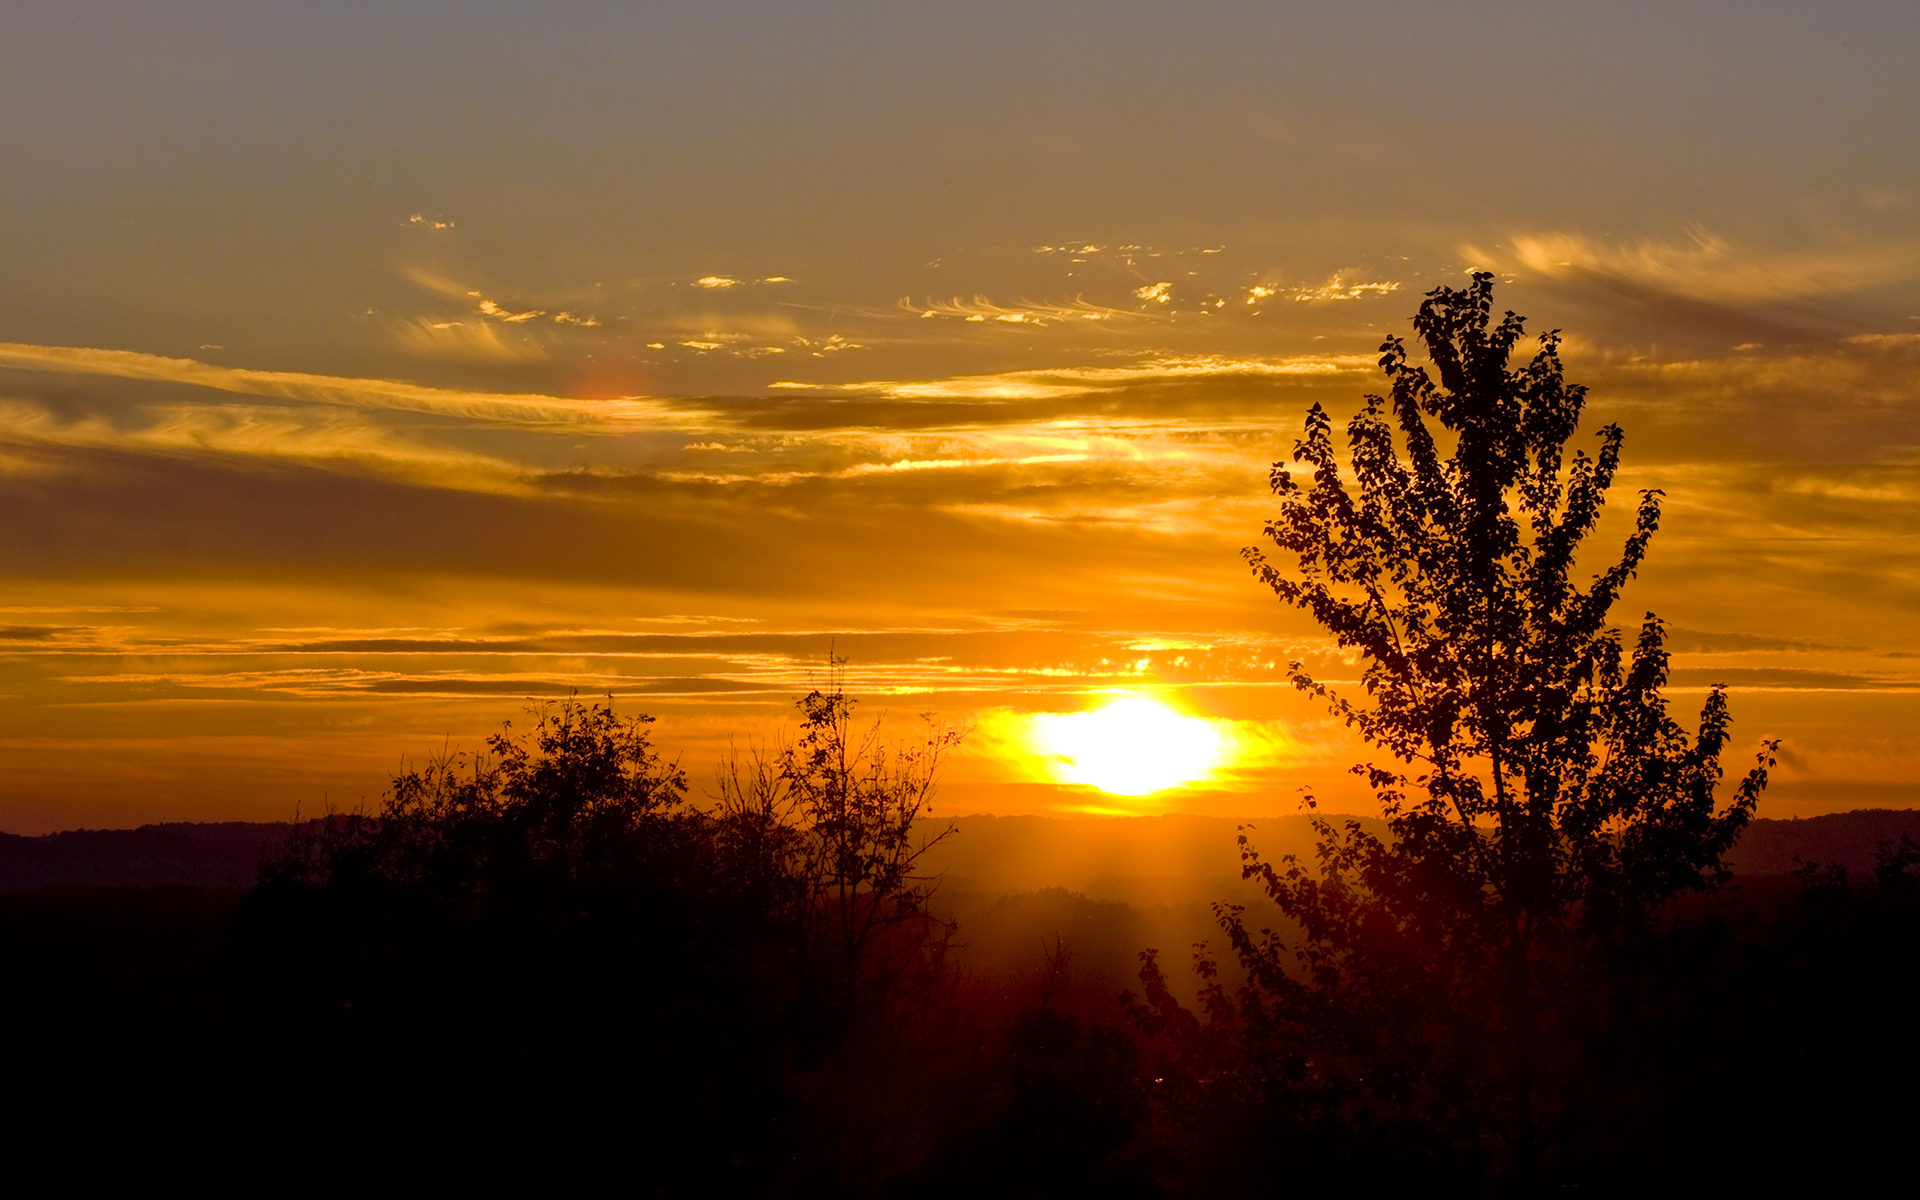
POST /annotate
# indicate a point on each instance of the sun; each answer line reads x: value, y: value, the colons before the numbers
x: 1130, y: 746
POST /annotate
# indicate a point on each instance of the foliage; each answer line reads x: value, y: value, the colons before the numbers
x: 537, y: 944
x: 584, y: 789
x: 1054, y: 1117
x: 551, y: 918
x: 839, y: 812
x: 1539, y: 797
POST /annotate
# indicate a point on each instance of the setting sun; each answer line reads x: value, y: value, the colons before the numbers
x: 1130, y: 746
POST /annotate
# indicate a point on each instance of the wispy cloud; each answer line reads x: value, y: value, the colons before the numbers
x: 1070, y: 381
x: 479, y: 305
x: 513, y: 409
x: 466, y: 341
x: 1705, y: 266
x: 1339, y: 286
x: 941, y: 464
x: 265, y: 434
x: 980, y: 310
x: 492, y: 309
x: 721, y: 283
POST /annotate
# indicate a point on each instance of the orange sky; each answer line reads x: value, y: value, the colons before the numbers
x: 366, y: 373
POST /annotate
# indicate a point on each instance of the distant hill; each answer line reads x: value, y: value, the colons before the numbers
x: 1768, y: 847
x: 1183, y: 859
x: 226, y: 854
x: 1150, y: 860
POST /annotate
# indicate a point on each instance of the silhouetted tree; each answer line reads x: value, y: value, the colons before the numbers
x: 840, y: 812
x: 1538, y: 795
x: 545, y: 941
x: 573, y: 798
x: 542, y: 946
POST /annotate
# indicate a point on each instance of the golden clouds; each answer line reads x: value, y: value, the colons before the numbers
x: 259, y: 433
x: 1073, y: 381
x: 336, y: 390
x: 485, y: 331
x: 981, y: 310
x: 1056, y: 530
x: 466, y: 341
x: 1706, y: 266
x: 1339, y: 286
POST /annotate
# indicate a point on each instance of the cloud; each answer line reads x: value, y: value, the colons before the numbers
x: 466, y: 341
x: 1705, y: 266
x: 981, y: 310
x: 729, y: 327
x: 263, y: 433
x: 753, y: 345
x: 1746, y: 679
x: 938, y: 464
x: 486, y: 307
x: 1072, y: 381
x: 492, y: 309
x: 721, y: 283
x: 1337, y: 287
x: 79, y: 608
x: 514, y: 409
x: 821, y: 347
x: 1696, y: 641
x: 438, y: 284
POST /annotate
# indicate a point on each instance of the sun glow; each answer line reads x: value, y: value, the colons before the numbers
x: 1130, y: 746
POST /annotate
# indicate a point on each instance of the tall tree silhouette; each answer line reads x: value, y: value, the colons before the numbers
x: 1538, y: 794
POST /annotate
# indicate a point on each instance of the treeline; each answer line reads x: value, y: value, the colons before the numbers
x: 542, y: 963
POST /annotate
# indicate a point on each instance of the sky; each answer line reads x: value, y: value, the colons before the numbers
x: 371, y: 371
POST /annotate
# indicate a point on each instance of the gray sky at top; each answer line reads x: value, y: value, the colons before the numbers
x: 239, y: 174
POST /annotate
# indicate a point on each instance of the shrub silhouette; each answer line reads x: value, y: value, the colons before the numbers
x: 541, y: 946
x: 572, y: 801
x: 1057, y: 1116
x: 1539, y: 798
x: 837, y: 816
x: 546, y: 941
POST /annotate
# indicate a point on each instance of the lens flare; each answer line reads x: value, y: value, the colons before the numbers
x: 1130, y: 746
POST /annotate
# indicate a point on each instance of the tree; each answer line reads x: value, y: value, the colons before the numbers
x: 536, y: 948
x: 573, y: 799
x: 1539, y: 798
x: 839, y: 812
x: 544, y: 945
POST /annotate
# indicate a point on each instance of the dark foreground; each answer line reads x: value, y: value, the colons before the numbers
x: 674, y: 1039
